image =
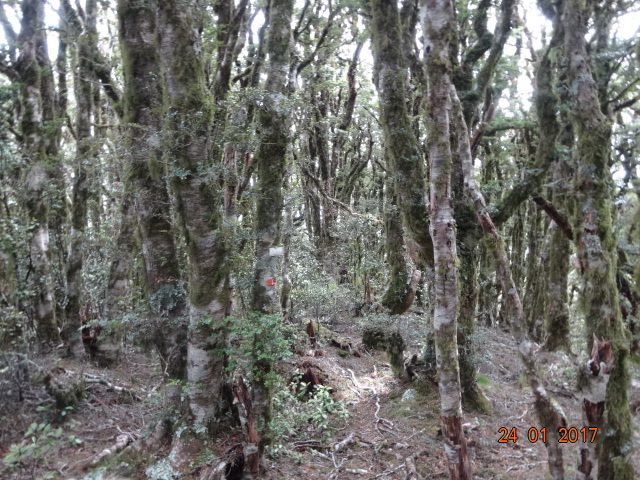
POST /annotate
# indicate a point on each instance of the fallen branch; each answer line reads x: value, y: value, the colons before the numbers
x: 88, y: 378
x: 309, y: 444
x: 387, y: 424
x: 389, y: 472
x: 122, y: 441
x: 350, y: 440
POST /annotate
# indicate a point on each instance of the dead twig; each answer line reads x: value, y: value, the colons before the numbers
x: 389, y: 472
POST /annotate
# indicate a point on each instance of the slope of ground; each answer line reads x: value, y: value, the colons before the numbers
x: 392, y: 432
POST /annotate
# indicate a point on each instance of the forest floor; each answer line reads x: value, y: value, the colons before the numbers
x: 393, y: 424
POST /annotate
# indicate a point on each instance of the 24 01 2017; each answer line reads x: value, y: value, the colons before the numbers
x: 565, y: 435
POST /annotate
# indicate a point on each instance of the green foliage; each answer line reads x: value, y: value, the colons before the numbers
x: 316, y: 294
x: 257, y: 343
x: 39, y: 442
x: 294, y: 418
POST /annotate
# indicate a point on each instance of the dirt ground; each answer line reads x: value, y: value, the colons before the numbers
x: 393, y: 423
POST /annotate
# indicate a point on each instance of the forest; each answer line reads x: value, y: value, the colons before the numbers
x: 319, y: 239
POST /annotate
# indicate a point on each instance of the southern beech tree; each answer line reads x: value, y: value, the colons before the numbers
x: 596, y: 244
x: 438, y: 24
x: 187, y: 146
x: 39, y: 133
x: 273, y: 131
x: 273, y: 127
x: 145, y: 180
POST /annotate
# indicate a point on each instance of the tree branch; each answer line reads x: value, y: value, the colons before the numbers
x: 337, y: 202
x: 559, y: 219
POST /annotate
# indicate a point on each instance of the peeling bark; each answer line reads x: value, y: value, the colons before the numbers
x: 596, y: 239
x: 438, y: 25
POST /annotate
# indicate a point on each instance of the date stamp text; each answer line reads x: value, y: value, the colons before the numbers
x: 565, y: 435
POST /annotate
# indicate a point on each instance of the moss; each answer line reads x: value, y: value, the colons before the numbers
x: 395, y: 350
x: 374, y: 337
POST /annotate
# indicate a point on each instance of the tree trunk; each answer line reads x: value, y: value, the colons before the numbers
x: 390, y: 78
x: 402, y: 287
x: 273, y: 128
x: 596, y: 243
x: 438, y: 22
x: 84, y: 150
x: 40, y: 145
x: 146, y: 181
x: 197, y: 196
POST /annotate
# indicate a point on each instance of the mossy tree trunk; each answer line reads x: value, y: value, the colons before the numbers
x: 438, y: 27
x: 85, y: 149
x: 145, y: 179
x: 552, y: 137
x: 197, y: 195
x: 472, y: 396
x: 596, y: 243
x: 273, y: 131
x: 390, y: 78
x: 557, y: 325
x: 403, y: 282
x: 40, y: 130
x: 468, y: 248
x: 535, y: 289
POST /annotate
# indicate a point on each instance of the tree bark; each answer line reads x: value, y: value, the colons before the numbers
x: 596, y: 242
x: 40, y: 145
x: 273, y: 128
x: 401, y: 143
x: 438, y: 26
x: 143, y: 96
x: 197, y: 195
x: 85, y: 147
x: 403, y: 279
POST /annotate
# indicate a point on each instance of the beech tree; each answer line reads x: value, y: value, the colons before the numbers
x: 143, y: 100
x: 596, y: 242
x: 30, y: 67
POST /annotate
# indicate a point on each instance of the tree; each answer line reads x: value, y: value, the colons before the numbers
x: 40, y: 136
x: 438, y: 27
x: 85, y: 149
x: 273, y: 131
x: 143, y: 100
x: 597, y: 254
x: 197, y: 196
